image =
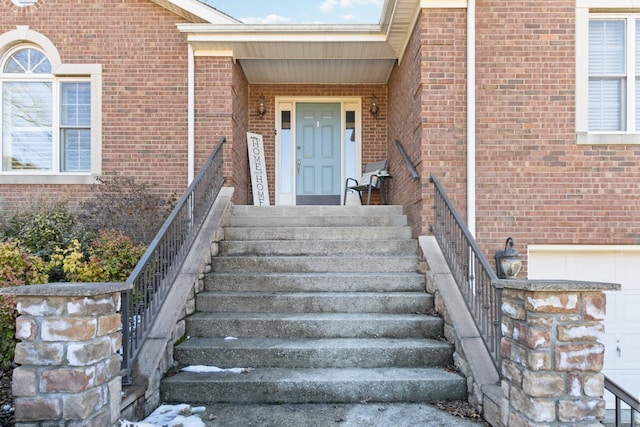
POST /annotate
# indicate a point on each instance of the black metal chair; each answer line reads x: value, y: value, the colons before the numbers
x: 373, y: 179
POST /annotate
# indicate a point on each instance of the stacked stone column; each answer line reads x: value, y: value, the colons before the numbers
x: 552, y: 356
x: 68, y: 355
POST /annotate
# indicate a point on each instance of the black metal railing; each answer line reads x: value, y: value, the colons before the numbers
x: 622, y: 396
x: 471, y: 270
x: 154, y: 275
x: 412, y: 170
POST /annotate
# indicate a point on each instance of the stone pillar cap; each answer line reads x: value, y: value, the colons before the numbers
x: 71, y: 289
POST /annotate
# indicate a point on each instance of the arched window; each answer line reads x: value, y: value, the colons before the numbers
x: 46, y: 120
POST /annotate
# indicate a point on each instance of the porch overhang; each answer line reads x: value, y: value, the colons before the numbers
x: 311, y: 53
x: 318, y: 54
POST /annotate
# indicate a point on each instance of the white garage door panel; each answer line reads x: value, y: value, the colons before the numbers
x: 613, y: 264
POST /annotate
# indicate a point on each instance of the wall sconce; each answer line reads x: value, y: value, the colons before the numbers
x: 508, y: 261
x: 373, y: 106
x: 262, y: 106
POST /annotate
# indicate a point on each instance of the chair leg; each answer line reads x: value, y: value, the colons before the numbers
x: 369, y: 197
x: 383, y: 194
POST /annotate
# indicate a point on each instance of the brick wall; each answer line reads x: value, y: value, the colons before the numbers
x: 427, y: 92
x: 405, y: 125
x: 144, y: 108
x: 374, y: 129
x: 239, y: 176
x: 534, y: 182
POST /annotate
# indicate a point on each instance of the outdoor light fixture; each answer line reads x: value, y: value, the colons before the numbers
x: 262, y: 106
x: 373, y: 106
x: 508, y: 261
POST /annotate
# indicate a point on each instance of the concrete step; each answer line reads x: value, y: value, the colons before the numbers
x: 268, y: 220
x: 318, y: 247
x: 315, y: 211
x: 278, y: 385
x: 317, y: 233
x: 315, y: 302
x: 314, y: 282
x: 313, y: 325
x: 314, y: 353
x: 316, y: 264
x: 359, y: 414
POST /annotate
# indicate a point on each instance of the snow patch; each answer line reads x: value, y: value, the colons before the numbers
x: 215, y: 369
x: 170, y: 416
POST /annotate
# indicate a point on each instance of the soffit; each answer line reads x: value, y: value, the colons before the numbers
x: 314, y: 53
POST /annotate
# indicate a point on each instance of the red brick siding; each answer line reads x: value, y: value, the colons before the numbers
x: 534, y: 182
x: 427, y: 93
x: 374, y: 130
x: 144, y: 106
x: 239, y: 177
x: 405, y: 108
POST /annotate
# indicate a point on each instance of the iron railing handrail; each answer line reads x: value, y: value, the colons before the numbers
x: 448, y: 228
x: 412, y: 170
x: 472, y: 272
x: 621, y: 395
x: 156, y: 271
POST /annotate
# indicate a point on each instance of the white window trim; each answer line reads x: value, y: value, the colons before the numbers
x: 60, y: 71
x: 583, y: 135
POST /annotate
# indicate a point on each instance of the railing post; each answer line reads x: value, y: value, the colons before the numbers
x: 551, y: 355
x: 68, y: 354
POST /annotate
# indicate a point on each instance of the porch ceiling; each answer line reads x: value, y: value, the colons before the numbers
x: 311, y: 53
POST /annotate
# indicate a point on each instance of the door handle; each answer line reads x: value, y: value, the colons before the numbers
x: 298, y: 163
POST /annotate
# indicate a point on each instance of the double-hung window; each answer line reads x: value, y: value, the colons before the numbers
x: 608, y: 78
x: 46, y: 121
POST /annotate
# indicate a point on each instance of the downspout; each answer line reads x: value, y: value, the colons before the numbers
x: 471, y: 116
x: 191, y: 145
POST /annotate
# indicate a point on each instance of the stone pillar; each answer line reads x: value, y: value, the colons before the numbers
x: 551, y: 354
x: 68, y: 354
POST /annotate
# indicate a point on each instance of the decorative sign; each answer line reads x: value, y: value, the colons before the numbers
x: 258, y: 169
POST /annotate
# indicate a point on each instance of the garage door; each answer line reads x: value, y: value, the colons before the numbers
x: 614, y: 264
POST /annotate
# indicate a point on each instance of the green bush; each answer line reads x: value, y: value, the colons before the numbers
x: 42, y: 226
x: 110, y: 258
x: 18, y: 266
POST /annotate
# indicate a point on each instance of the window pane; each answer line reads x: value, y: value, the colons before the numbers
x: 350, y: 152
x: 638, y: 47
x: 76, y: 148
x: 28, y: 61
x: 26, y: 125
x: 75, y: 104
x: 637, y: 104
x: 606, y: 47
x: 286, y: 154
x: 606, y: 100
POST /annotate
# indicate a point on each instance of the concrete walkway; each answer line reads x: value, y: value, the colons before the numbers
x: 339, y: 415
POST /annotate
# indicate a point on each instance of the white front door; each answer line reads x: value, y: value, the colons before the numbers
x: 611, y: 264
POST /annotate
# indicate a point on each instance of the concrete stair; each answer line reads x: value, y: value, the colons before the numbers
x: 324, y: 304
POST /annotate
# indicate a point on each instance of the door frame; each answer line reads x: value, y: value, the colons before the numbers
x: 289, y: 104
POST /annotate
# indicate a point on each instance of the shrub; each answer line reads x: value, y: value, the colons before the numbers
x: 18, y: 266
x: 110, y: 258
x: 42, y: 226
x: 126, y: 206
